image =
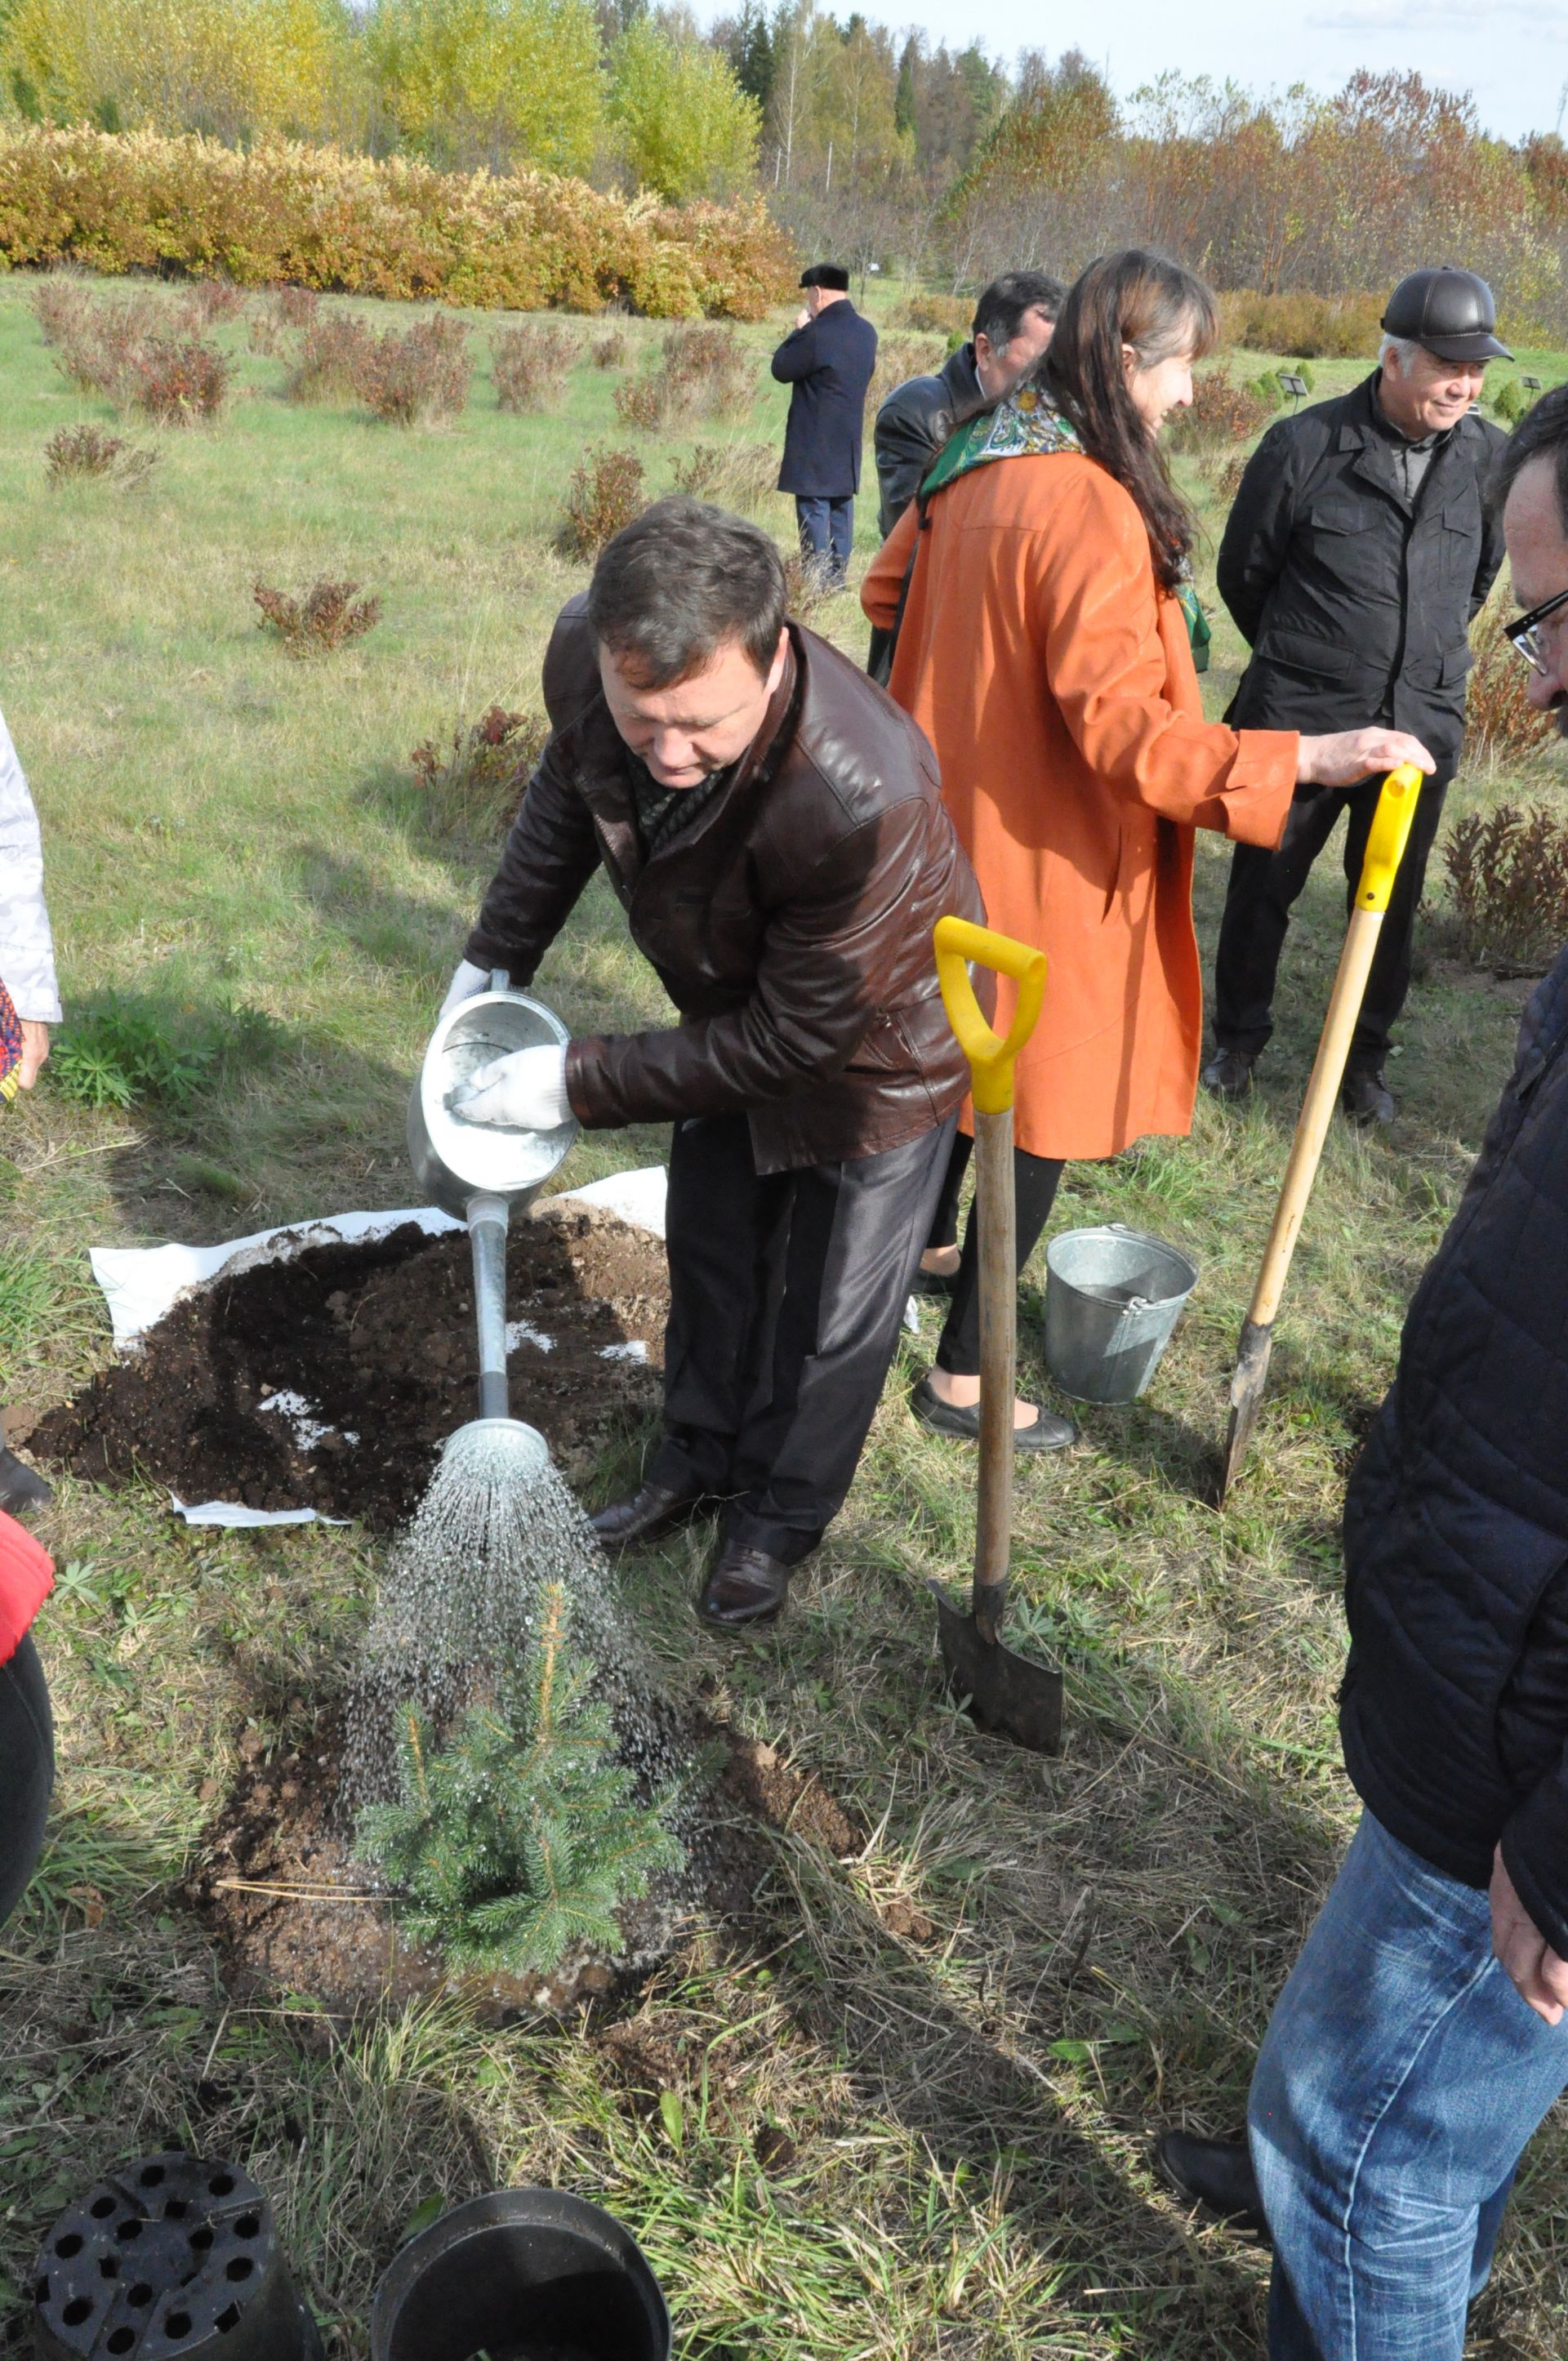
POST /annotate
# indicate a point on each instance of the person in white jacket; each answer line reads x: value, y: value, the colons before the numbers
x: 27, y: 971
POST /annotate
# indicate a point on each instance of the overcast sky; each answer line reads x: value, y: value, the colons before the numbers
x: 1512, y: 54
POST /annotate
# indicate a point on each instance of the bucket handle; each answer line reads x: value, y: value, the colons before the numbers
x: 991, y: 1055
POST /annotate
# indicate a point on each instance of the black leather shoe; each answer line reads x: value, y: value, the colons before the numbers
x: 744, y: 1586
x: 21, y: 1487
x: 1048, y: 1433
x: 1365, y: 1096
x: 646, y: 1517
x: 1216, y: 2175
x: 1228, y: 1074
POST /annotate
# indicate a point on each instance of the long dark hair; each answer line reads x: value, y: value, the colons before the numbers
x: 1139, y: 298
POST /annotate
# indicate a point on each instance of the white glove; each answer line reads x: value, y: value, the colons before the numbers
x: 467, y: 980
x: 525, y: 1090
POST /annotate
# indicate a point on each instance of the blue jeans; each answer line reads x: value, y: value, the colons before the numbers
x: 1398, y: 2086
x: 827, y: 531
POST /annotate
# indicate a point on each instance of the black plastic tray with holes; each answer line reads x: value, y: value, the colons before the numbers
x: 169, y: 2259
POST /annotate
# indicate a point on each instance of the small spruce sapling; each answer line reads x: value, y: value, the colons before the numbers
x: 520, y: 1836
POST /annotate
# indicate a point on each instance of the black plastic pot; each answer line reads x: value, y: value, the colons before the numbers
x: 170, y: 2258
x: 525, y: 2274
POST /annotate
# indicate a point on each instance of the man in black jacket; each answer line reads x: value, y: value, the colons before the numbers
x: 1357, y: 552
x: 1013, y: 325
x: 775, y: 828
x: 1421, y: 2036
x: 1014, y: 322
x: 827, y: 358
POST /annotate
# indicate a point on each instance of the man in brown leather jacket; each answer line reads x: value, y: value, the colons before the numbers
x: 773, y: 826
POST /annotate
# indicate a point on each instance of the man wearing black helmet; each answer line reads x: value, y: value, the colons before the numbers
x: 1356, y: 555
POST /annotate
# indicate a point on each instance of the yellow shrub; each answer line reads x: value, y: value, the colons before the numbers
x: 285, y: 213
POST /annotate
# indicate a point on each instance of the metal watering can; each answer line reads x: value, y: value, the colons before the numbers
x: 477, y: 1172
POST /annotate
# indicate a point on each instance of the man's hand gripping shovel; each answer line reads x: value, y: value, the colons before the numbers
x: 1006, y: 1692
x: 1385, y: 849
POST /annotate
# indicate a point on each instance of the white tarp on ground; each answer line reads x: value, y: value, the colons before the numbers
x: 140, y: 1284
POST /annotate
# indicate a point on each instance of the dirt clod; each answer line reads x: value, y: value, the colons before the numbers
x: 377, y: 1342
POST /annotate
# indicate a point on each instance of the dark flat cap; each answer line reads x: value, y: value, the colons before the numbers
x: 1450, y: 312
x: 826, y: 274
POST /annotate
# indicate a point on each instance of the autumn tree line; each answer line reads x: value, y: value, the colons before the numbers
x: 919, y: 159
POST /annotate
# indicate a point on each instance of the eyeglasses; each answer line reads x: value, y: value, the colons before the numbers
x: 1524, y: 631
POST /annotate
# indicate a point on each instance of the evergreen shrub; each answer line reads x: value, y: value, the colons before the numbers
x: 520, y: 1836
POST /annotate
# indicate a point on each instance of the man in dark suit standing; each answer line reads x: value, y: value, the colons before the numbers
x: 827, y: 357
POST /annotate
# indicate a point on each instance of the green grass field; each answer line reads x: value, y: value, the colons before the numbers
x: 913, y: 2123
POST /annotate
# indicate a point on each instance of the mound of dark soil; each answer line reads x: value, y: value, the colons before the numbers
x: 294, y: 1913
x: 368, y: 1356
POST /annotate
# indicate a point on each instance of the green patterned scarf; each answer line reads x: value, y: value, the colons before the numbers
x: 1026, y: 426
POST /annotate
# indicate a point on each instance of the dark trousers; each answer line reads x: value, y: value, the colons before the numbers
x: 1258, y: 901
x: 826, y: 534
x: 26, y: 1771
x: 786, y: 1291
x: 1034, y: 1181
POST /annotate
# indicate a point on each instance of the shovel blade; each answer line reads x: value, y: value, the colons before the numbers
x: 1006, y: 1693
x: 1247, y: 1396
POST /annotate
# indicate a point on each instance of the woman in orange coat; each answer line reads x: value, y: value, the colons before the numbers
x: 1044, y: 649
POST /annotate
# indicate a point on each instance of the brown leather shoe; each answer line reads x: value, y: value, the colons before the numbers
x: 646, y: 1517
x: 744, y: 1586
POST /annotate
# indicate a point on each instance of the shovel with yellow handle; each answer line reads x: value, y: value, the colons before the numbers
x: 1385, y: 848
x: 1006, y: 1692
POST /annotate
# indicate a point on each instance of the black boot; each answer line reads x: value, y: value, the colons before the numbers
x: 1228, y: 1074
x: 1366, y: 1097
x: 21, y: 1487
x: 1216, y: 2175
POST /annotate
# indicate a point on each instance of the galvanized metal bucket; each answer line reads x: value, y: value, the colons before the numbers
x: 1112, y: 1298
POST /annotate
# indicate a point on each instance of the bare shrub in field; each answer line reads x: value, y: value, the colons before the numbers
x: 176, y: 380
x: 1228, y: 481
x: 806, y: 588
x: 700, y: 373
x: 898, y: 359
x: 605, y: 495
x: 135, y: 350
x: 1307, y: 327
x: 529, y: 365
x: 1222, y: 412
x: 60, y: 305
x: 1508, y: 875
x: 472, y: 789
x: 733, y: 475
x: 326, y: 617
x: 79, y: 452
x: 411, y: 376
x: 208, y: 300
x: 330, y: 353
x: 641, y: 402
x: 1500, y: 723
x: 712, y: 366
x: 609, y: 352
x: 947, y: 315
x: 284, y: 310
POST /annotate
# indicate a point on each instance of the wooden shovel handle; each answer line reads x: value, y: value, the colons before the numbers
x: 1384, y: 847
x: 991, y: 1059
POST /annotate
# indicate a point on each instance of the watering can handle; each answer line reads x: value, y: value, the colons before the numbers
x: 1388, y: 836
x: 991, y: 1055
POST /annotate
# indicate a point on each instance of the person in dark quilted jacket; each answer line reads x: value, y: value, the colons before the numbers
x: 1421, y: 2036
